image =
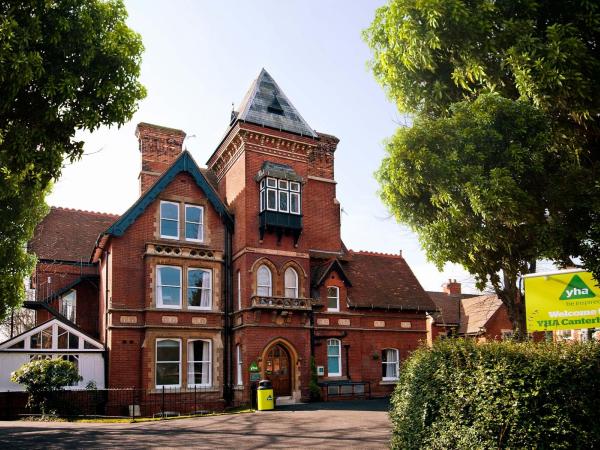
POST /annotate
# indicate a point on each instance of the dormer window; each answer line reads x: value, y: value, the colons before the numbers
x: 279, y: 195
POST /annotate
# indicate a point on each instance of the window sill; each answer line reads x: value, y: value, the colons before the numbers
x: 388, y: 382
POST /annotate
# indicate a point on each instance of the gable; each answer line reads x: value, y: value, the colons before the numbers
x: 184, y: 163
x: 54, y: 336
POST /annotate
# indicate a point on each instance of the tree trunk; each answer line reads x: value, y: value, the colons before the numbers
x: 510, y: 295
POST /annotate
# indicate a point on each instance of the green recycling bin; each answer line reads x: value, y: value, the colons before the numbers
x: 265, y: 396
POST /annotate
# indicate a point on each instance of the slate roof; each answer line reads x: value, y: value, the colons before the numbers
x: 384, y: 281
x: 67, y: 234
x: 477, y: 311
x: 266, y: 104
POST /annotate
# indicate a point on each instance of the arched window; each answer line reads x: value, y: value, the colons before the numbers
x: 334, y: 358
x: 291, y: 283
x: 263, y: 282
x: 390, y: 364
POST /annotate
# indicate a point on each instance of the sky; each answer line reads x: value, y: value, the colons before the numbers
x: 201, y: 56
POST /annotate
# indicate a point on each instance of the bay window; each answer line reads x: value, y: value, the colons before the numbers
x: 199, y: 363
x: 168, y: 287
x: 168, y: 363
x: 279, y: 195
x: 199, y: 288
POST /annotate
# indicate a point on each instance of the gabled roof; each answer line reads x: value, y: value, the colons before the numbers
x: 320, y: 272
x: 384, y: 281
x: 266, y: 104
x: 184, y: 163
x: 63, y: 323
x: 448, y: 307
x: 477, y: 311
x: 68, y: 234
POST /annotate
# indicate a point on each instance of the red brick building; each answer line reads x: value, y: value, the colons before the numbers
x: 217, y: 277
x: 483, y: 317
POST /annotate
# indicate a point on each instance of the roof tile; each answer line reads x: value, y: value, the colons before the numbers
x: 69, y: 234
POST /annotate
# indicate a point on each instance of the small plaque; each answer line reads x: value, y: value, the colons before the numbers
x: 128, y: 319
x: 255, y: 377
x: 344, y: 322
x: 322, y: 321
x: 379, y: 324
x: 405, y: 325
x: 169, y: 319
x: 199, y: 320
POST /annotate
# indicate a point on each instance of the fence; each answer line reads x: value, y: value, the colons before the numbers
x: 163, y: 402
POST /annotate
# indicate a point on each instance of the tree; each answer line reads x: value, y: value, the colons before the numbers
x: 64, y: 66
x: 428, y: 55
x: 431, y: 55
x: 474, y: 186
x: 43, y: 377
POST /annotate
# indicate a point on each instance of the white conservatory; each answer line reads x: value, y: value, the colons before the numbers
x: 53, y: 339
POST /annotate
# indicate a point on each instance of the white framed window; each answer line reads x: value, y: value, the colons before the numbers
x: 239, y: 290
x: 194, y: 223
x: 333, y: 298
x: 199, y: 288
x: 168, y: 363
x: 169, y: 220
x: 291, y: 283
x: 264, y: 282
x: 284, y: 205
x: 42, y: 339
x: 390, y: 364
x: 66, y: 340
x: 199, y: 363
x: 334, y: 358
x: 168, y: 287
x: 272, y: 199
x: 67, y: 305
x: 279, y: 195
x: 238, y: 354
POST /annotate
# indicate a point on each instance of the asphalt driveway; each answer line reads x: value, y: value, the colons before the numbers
x: 357, y: 424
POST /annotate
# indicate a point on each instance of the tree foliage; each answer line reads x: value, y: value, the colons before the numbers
x: 42, y: 377
x: 464, y: 395
x: 429, y: 57
x: 64, y: 66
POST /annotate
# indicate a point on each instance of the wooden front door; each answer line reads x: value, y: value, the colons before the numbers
x: 277, y: 369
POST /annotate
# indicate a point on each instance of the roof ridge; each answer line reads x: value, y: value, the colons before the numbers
x: 86, y: 211
x: 372, y: 253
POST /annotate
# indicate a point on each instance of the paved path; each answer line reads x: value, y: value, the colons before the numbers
x: 362, y: 424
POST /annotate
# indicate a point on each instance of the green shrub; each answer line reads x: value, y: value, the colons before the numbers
x: 42, y: 377
x: 462, y: 395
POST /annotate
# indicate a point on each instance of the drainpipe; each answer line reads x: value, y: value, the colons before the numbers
x: 347, y: 348
x: 227, y: 340
x: 106, y: 256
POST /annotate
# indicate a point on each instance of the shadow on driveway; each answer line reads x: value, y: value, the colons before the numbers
x: 379, y: 404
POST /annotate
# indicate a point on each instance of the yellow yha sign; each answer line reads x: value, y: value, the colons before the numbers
x: 564, y: 300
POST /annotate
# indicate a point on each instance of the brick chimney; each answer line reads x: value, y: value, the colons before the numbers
x: 452, y: 287
x: 159, y: 147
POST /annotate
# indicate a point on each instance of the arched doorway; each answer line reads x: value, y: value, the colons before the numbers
x: 278, y: 368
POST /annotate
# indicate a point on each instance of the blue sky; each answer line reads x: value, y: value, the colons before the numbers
x: 202, y: 55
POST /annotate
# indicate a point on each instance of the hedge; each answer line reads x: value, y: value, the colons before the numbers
x: 463, y: 395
